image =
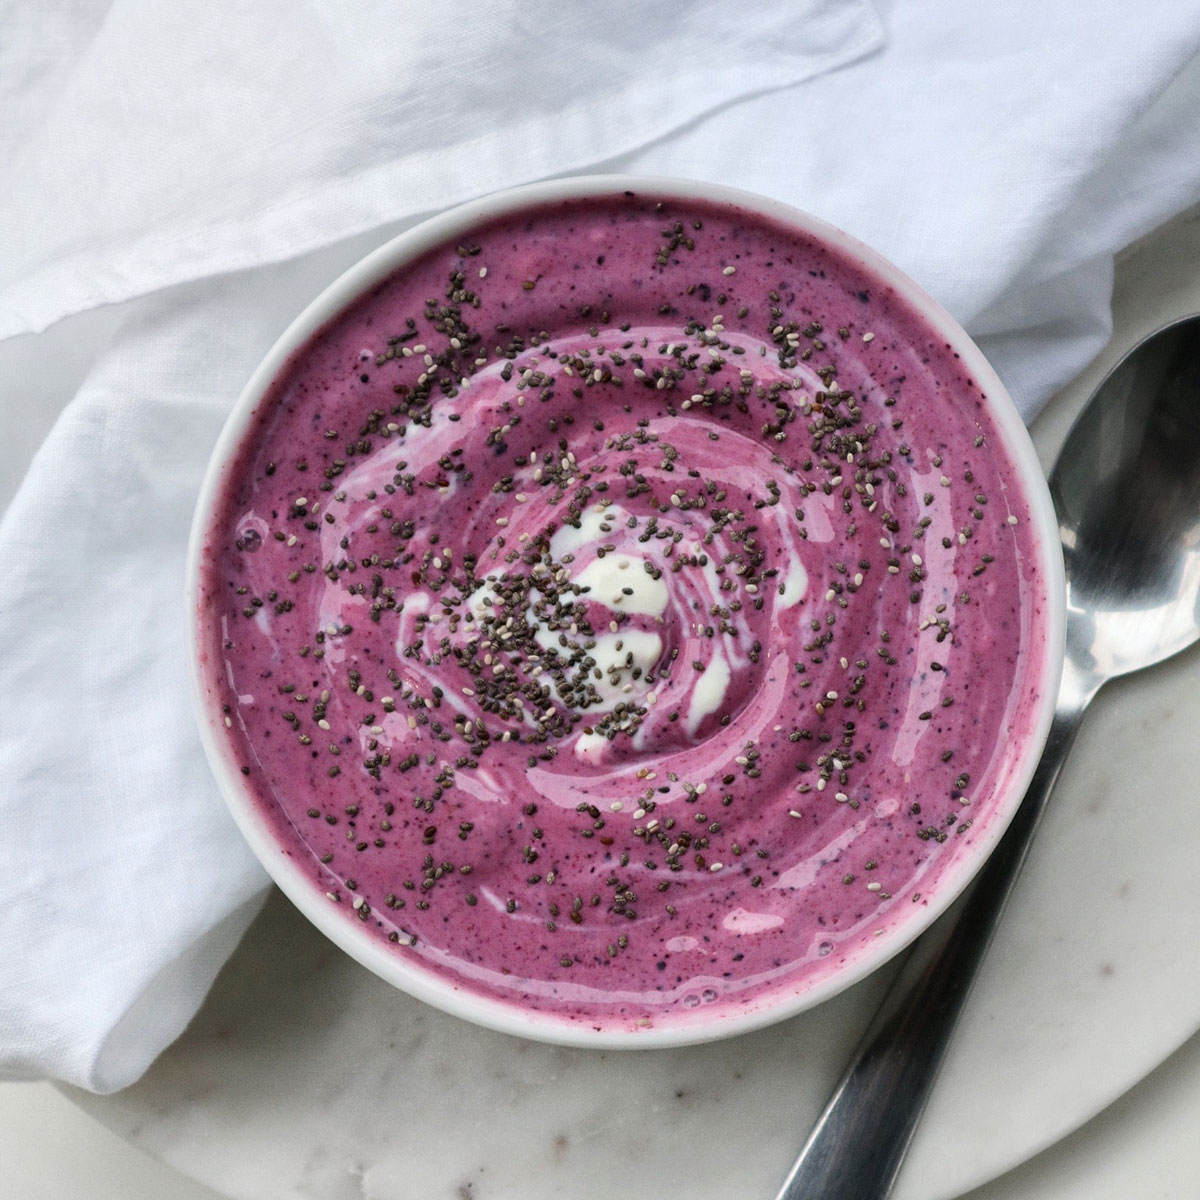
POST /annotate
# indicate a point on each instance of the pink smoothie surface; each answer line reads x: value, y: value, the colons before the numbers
x: 626, y: 612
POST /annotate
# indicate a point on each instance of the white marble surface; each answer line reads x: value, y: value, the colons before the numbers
x: 306, y: 1077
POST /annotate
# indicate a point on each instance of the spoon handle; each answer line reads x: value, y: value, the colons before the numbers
x: 855, y: 1150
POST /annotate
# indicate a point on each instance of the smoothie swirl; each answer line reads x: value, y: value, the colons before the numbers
x: 624, y: 612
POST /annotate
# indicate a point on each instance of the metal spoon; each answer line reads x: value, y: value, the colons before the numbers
x: 1126, y: 489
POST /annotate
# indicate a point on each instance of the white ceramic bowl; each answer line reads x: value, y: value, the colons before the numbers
x: 334, y: 921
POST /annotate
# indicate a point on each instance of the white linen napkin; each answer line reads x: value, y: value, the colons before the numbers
x: 193, y: 138
x: 208, y: 167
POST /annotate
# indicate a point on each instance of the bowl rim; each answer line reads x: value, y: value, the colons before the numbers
x: 410, y: 975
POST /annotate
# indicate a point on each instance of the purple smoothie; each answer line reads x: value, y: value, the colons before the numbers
x: 626, y: 612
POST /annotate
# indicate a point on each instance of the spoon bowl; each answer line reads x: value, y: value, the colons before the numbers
x: 1126, y: 491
